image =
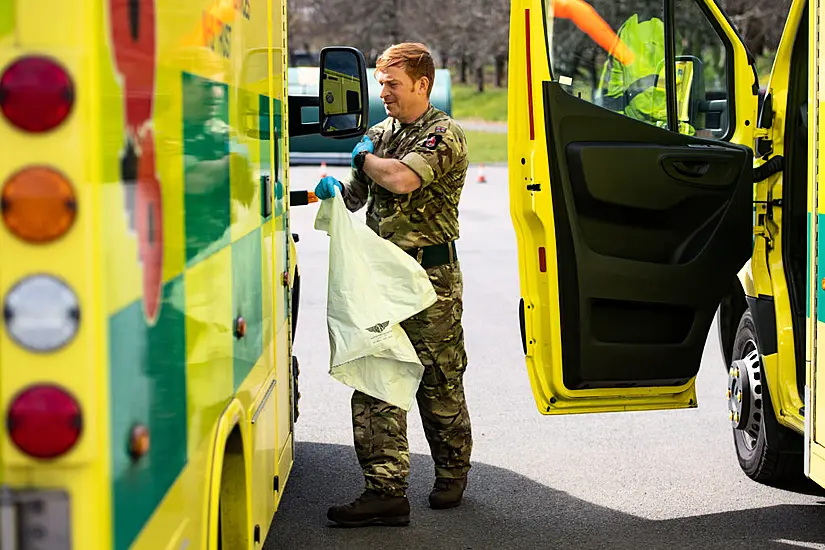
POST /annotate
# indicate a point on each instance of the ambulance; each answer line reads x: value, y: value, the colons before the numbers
x: 149, y: 279
x: 646, y: 210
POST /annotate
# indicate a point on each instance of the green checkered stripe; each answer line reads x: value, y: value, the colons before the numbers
x: 148, y: 363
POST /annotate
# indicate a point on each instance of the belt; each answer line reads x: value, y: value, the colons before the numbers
x: 434, y: 255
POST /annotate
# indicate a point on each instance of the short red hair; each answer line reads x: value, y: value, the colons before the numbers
x: 415, y: 59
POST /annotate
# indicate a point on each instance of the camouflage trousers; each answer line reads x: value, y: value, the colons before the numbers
x: 380, y: 429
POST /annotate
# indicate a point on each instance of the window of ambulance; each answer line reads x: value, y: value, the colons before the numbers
x: 612, y: 54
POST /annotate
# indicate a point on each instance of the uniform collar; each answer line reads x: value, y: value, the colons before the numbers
x: 399, y: 126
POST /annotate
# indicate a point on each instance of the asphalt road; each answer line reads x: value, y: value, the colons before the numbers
x: 633, y: 480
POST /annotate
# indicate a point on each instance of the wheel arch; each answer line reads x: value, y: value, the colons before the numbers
x: 229, y: 475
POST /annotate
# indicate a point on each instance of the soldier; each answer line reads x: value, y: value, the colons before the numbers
x: 410, y: 169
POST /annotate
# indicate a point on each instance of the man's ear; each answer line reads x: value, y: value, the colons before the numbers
x: 423, y: 84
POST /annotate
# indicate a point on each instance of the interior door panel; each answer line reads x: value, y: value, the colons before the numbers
x: 641, y: 216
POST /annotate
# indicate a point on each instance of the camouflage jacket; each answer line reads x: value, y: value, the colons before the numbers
x: 434, y: 147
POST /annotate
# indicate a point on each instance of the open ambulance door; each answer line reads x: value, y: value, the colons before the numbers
x: 629, y: 231
x: 814, y: 427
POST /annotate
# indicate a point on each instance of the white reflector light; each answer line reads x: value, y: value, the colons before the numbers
x: 41, y: 313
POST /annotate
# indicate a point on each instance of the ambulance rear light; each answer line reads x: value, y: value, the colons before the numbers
x: 38, y: 204
x: 36, y: 94
x: 42, y: 314
x: 44, y: 421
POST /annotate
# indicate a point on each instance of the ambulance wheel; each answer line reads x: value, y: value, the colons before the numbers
x: 768, y: 452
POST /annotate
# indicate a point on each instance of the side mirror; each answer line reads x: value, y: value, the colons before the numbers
x: 343, y: 95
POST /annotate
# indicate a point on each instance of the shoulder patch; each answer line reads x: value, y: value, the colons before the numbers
x: 432, y: 141
x: 440, y: 130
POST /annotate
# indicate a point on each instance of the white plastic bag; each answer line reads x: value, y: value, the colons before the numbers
x: 373, y: 287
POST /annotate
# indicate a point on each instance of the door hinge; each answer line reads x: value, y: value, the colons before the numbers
x: 760, y: 133
x: 761, y: 231
x: 774, y: 202
x: 276, y: 484
x: 764, y: 146
x: 534, y: 187
x: 770, y: 204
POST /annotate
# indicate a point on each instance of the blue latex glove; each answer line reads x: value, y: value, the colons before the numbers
x: 326, y: 188
x: 364, y: 145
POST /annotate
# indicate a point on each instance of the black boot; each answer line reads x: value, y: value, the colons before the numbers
x: 372, y: 508
x: 447, y: 492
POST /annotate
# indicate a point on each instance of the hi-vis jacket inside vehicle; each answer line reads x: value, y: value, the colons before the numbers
x: 648, y: 199
x: 148, y: 276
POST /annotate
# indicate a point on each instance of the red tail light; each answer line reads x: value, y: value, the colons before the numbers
x: 36, y: 94
x: 44, y: 421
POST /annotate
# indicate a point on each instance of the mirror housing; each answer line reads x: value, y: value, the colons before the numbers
x: 343, y: 93
x: 346, y: 115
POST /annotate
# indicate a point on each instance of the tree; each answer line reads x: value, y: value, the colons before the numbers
x: 469, y: 35
x: 757, y: 22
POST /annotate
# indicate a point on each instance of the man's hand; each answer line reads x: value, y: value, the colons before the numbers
x: 364, y: 145
x: 326, y: 188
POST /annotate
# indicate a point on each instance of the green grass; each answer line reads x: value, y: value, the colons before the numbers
x: 490, y: 105
x: 486, y: 147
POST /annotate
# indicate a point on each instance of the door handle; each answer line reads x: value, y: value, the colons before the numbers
x: 691, y: 169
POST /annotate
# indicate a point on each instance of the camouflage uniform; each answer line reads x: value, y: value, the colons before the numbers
x: 435, y: 148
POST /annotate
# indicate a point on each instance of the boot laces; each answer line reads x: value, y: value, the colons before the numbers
x: 366, y: 496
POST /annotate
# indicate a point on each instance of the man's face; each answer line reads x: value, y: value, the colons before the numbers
x: 403, y: 99
x: 199, y: 98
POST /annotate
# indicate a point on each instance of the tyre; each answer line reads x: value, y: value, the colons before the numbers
x: 296, y: 395
x: 768, y: 452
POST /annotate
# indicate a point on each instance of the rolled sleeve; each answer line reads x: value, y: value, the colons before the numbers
x: 441, y: 147
x: 420, y: 166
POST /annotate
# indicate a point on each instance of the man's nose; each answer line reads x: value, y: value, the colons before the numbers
x: 384, y: 92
